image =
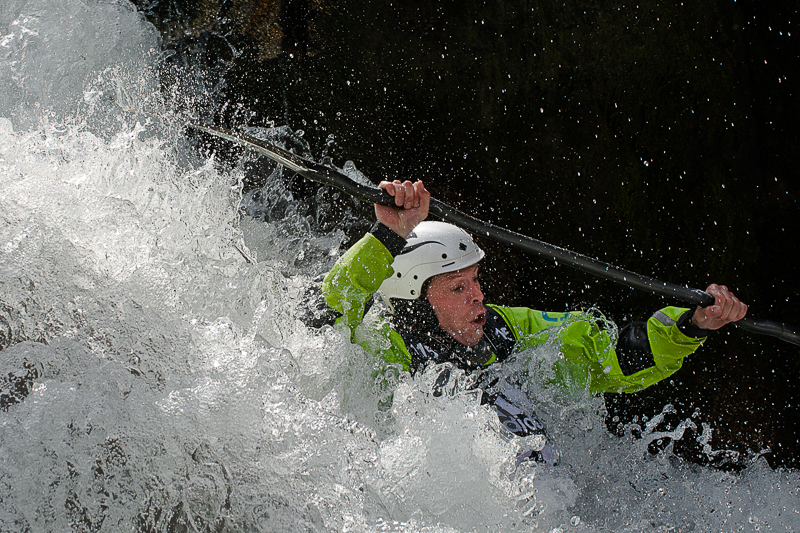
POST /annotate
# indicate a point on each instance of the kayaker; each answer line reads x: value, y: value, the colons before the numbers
x: 428, y: 275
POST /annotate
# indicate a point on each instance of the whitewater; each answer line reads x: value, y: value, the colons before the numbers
x: 155, y: 373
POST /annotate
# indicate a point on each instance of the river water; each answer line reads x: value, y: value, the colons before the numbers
x: 157, y: 377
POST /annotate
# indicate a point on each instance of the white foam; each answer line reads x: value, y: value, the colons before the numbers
x: 175, y: 384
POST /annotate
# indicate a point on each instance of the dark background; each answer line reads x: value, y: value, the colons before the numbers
x: 655, y: 135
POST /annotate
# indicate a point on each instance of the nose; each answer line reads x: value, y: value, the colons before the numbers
x: 476, y: 295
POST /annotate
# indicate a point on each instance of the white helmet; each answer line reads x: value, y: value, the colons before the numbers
x: 432, y: 248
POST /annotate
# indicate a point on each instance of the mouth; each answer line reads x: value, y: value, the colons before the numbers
x: 480, y: 320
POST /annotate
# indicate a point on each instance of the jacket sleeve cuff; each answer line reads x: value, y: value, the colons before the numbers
x: 684, y: 324
x: 391, y: 240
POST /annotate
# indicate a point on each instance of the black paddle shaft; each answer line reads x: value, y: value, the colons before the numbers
x: 367, y: 193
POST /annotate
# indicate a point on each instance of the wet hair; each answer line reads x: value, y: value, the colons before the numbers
x: 415, y: 315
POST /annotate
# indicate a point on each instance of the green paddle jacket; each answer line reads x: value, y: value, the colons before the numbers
x: 644, y: 354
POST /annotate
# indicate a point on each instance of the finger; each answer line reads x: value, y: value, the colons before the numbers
x: 387, y: 186
x: 400, y: 193
x: 743, y: 312
x: 416, y: 196
x: 737, y: 309
x: 730, y: 304
x: 409, y: 195
x: 714, y: 310
x: 731, y: 308
x: 420, y: 193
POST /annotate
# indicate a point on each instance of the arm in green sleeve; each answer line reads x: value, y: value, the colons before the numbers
x: 645, y: 353
x: 347, y: 288
x: 355, y: 277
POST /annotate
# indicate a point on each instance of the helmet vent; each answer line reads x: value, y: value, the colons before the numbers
x: 399, y: 275
x: 444, y: 256
x: 462, y: 246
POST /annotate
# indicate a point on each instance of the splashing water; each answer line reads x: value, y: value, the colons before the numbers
x: 155, y: 376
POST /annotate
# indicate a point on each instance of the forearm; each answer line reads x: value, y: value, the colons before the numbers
x: 646, y: 353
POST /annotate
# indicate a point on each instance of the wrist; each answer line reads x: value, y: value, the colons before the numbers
x: 388, y: 237
x: 686, y: 324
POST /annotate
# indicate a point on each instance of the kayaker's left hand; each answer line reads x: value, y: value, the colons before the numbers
x: 726, y: 309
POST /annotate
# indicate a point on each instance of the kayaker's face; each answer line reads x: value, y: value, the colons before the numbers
x: 457, y: 300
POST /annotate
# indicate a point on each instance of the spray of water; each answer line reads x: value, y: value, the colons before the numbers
x: 155, y: 376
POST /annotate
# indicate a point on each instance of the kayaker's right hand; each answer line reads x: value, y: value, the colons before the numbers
x: 412, y: 201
